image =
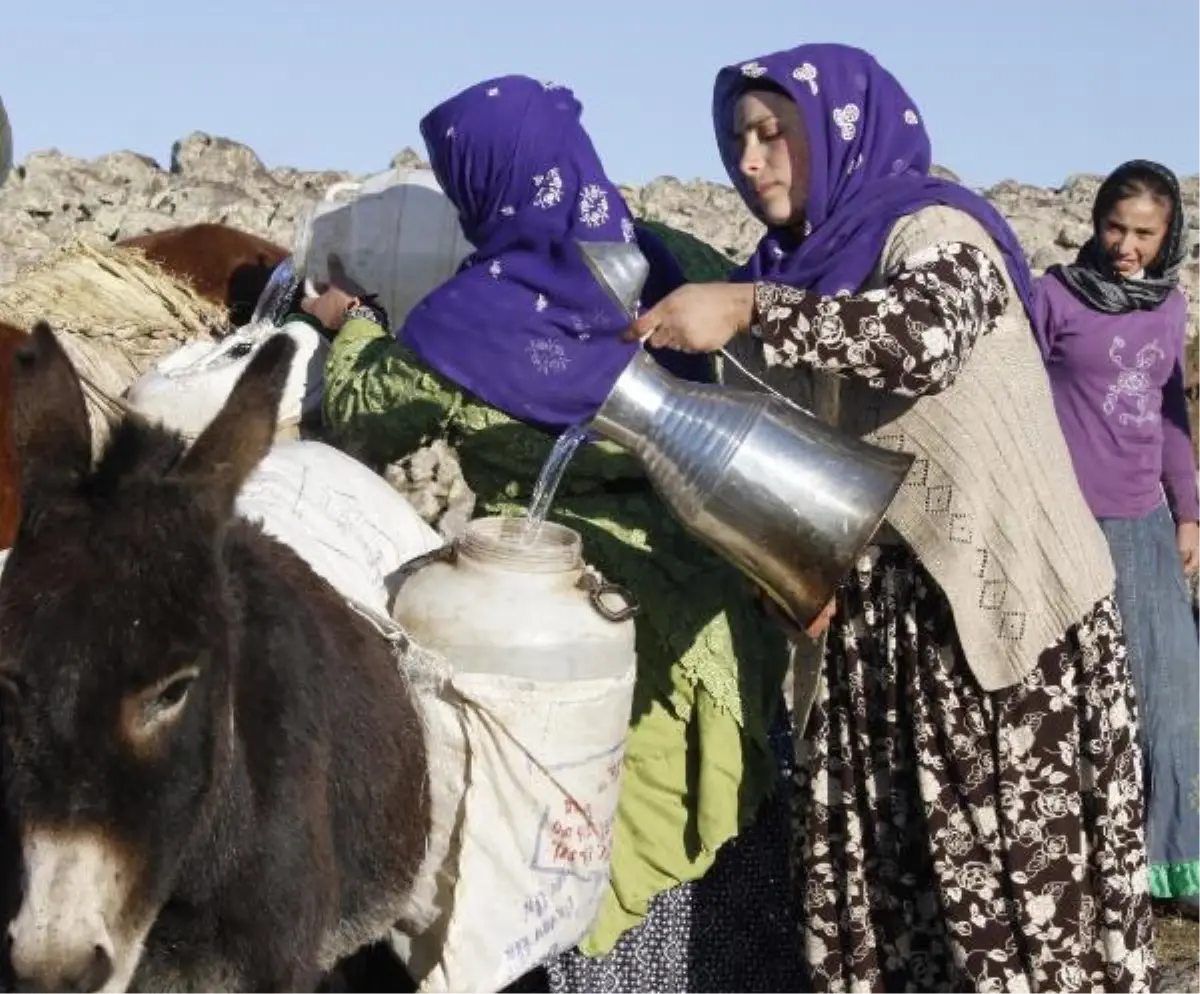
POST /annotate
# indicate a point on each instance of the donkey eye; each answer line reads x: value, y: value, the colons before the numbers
x: 148, y: 714
x: 161, y: 703
x: 174, y: 692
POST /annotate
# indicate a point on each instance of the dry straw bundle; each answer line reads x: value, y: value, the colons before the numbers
x: 115, y: 312
x: 112, y: 294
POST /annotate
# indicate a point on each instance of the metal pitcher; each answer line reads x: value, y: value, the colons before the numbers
x: 789, y: 500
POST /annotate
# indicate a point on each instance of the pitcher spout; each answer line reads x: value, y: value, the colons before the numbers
x: 632, y: 407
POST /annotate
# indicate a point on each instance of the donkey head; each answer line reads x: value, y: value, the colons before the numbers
x: 117, y: 635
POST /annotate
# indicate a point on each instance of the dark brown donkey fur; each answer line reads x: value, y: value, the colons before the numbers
x: 216, y: 773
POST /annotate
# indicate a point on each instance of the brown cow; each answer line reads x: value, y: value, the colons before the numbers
x: 222, y: 264
x: 215, y: 769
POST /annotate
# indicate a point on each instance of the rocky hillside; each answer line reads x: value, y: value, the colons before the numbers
x: 52, y: 196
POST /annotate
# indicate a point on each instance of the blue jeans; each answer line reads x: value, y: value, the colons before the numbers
x: 1163, y: 647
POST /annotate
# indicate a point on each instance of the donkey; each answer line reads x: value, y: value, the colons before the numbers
x: 215, y: 770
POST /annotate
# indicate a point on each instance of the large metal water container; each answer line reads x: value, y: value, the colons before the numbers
x: 787, y: 499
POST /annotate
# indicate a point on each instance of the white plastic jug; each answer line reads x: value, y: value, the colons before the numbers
x: 517, y: 608
x: 522, y: 663
x: 398, y: 238
x: 185, y: 391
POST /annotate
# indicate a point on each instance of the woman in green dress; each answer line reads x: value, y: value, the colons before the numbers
x: 518, y: 346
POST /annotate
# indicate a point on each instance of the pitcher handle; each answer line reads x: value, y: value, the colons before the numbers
x: 741, y: 368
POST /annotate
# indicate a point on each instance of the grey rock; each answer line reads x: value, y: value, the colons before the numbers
x: 200, y: 156
x: 1045, y: 256
x: 51, y: 197
x: 407, y: 158
x: 1073, y: 234
x: 432, y: 481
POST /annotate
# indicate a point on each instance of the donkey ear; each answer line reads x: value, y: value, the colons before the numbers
x: 236, y: 440
x: 52, y: 438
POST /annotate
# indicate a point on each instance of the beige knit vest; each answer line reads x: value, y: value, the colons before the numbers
x: 991, y: 506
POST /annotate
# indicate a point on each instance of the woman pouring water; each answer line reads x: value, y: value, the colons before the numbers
x: 969, y: 795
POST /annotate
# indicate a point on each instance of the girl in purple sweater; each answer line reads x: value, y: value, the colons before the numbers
x: 1112, y: 329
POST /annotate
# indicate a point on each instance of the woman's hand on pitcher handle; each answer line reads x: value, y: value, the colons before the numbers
x: 696, y: 317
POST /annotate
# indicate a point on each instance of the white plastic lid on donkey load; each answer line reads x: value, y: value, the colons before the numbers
x: 397, y: 235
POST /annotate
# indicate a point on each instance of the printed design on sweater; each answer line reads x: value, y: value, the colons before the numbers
x: 1133, y: 382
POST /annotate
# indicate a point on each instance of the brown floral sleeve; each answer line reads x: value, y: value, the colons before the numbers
x: 910, y: 337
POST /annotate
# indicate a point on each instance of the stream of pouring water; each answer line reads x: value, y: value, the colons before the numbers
x: 549, y: 479
x: 277, y: 295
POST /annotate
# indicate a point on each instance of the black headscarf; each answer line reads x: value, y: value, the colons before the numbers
x: 1092, y: 279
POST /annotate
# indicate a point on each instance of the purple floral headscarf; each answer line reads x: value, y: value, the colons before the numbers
x: 869, y: 166
x: 523, y: 325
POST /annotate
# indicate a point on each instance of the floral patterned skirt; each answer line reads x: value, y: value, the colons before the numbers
x: 951, y: 839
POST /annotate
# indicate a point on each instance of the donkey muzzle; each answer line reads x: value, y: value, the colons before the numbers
x: 62, y: 938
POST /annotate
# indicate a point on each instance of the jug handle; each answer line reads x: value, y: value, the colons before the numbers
x: 446, y: 553
x: 596, y: 587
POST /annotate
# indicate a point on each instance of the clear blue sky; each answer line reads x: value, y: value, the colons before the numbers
x: 1027, y: 89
